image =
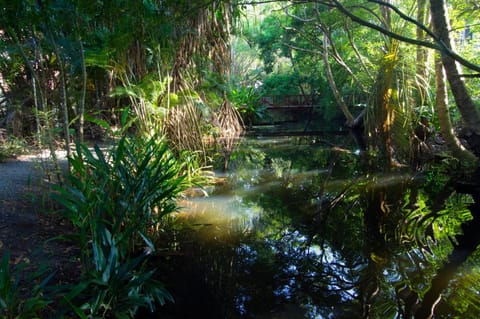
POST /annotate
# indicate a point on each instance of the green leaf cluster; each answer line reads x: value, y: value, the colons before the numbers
x: 247, y: 100
x: 115, y: 198
x: 13, y: 303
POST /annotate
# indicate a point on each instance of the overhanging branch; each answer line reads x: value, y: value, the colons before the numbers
x: 437, y: 43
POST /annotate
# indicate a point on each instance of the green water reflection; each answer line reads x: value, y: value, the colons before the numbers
x: 301, y: 229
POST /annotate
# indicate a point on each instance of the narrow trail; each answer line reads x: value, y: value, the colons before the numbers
x: 26, y: 225
x: 16, y: 175
x: 19, y: 222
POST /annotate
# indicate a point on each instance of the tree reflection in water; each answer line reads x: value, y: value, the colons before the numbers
x: 335, y: 241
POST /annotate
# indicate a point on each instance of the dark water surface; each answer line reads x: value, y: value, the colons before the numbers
x: 300, y: 228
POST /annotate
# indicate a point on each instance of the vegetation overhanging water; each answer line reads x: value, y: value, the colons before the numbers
x: 308, y: 231
x: 301, y: 229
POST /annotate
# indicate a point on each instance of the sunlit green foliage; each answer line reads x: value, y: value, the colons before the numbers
x: 462, y: 295
x: 247, y: 102
x: 12, y: 147
x: 115, y: 199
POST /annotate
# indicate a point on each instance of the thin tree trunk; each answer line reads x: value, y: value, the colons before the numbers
x: 63, y: 102
x: 42, y: 102
x: 81, y: 109
x: 342, y: 63
x: 338, y: 97
x: 421, y: 53
x: 468, y: 109
x: 451, y: 140
x: 360, y: 58
x: 35, y: 103
x: 63, y: 92
x: 26, y: 60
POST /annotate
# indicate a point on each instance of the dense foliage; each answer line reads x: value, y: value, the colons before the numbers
x: 372, y: 62
x: 69, y: 64
x: 116, y: 199
x: 72, y: 71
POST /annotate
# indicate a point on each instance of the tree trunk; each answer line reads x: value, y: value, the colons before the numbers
x: 63, y: 97
x: 421, y: 54
x: 40, y: 98
x: 468, y: 110
x: 338, y: 97
x: 446, y: 129
x: 81, y: 108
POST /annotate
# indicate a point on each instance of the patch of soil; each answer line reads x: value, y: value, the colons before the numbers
x: 29, y: 229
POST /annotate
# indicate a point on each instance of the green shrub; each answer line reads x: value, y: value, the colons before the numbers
x: 115, y: 198
x: 116, y: 287
x: 247, y: 101
x: 11, y: 147
x: 12, y: 303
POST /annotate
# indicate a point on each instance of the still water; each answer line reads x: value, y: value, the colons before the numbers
x: 301, y: 227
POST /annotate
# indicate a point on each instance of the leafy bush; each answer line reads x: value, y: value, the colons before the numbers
x: 115, y: 198
x: 12, y: 303
x: 11, y: 147
x: 247, y: 101
x: 115, y: 287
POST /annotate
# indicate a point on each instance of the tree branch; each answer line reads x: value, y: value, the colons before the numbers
x: 438, y: 44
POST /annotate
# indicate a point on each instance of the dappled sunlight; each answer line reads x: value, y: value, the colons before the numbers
x: 317, y: 234
x: 215, y: 210
x: 240, y: 159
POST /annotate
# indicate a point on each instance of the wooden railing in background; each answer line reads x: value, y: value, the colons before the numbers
x: 290, y: 101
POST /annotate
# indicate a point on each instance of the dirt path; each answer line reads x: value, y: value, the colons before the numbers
x: 19, y: 222
x: 26, y: 222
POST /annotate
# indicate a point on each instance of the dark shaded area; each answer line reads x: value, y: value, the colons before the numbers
x: 465, y: 246
x: 187, y: 283
x: 472, y: 139
x: 324, y: 246
x: 28, y: 228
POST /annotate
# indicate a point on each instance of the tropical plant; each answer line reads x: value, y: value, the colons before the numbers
x: 116, y: 287
x: 67, y: 58
x: 247, y: 100
x: 13, y: 303
x: 145, y: 97
x: 116, y: 198
x: 126, y: 189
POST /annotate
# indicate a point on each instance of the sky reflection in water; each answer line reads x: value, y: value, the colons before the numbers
x: 302, y: 230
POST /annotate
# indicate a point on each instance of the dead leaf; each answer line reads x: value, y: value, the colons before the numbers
x: 18, y: 260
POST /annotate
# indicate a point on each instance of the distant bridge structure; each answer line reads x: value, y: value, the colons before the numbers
x: 283, y: 109
x: 278, y: 102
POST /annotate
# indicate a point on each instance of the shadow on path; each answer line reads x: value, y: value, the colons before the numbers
x: 26, y: 223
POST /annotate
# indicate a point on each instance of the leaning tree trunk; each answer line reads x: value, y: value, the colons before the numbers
x: 63, y: 91
x: 468, y: 109
x: 451, y: 140
x: 338, y: 97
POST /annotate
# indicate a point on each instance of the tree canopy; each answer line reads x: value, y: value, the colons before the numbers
x: 370, y: 61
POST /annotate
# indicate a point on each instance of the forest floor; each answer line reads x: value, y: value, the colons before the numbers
x: 28, y: 223
x: 35, y: 235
